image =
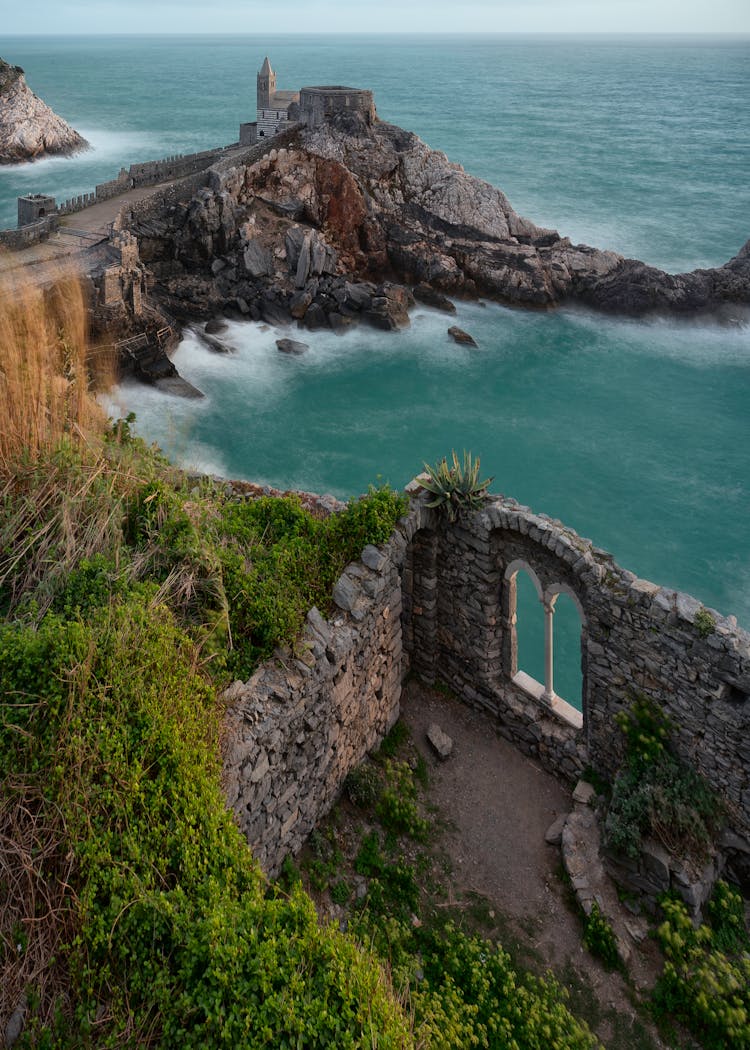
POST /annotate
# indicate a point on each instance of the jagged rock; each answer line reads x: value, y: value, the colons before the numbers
x: 440, y: 741
x: 214, y: 344
x: 299, y: 303
x: 16, y: 1021
x: 257, y: 259
x: 315, y: 317
x: 340, y: 322
x: 458, y: 335
x: 291, y: 346
x: 389, y: 308
x: 28, y: 127
x: 423, y: 293
x: 359, y: 296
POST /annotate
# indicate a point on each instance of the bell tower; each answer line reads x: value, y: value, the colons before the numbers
x: 266, y: 85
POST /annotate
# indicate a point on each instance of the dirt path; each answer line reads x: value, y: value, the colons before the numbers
x: 498, y: 805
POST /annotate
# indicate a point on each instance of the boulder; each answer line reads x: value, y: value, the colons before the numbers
x: 215, y: 326
x: 257, y: 258
x: 458, y: 335
x: 439, y: 741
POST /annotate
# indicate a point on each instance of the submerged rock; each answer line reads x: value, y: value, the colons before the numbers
x: 28, y: 127
x: 291, y: 346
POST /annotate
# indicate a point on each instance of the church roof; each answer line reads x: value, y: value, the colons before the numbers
x: 265, y: 69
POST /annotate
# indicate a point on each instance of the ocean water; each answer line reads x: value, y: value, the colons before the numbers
x: 637, y: 434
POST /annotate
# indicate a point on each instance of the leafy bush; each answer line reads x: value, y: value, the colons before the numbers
x: 455, y: 488
x: 472, y: 996
x: 657, y: 794
x: 704, y: 622
x: 177, y: 942
x: 703, y: 986
x: 726, y: 914
x: 599, y: 938
x: 397, y: 808
x: 363, y: 785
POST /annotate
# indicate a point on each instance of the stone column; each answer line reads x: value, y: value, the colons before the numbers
x: 549, y: 633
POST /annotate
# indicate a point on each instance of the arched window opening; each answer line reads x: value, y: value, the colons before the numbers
x: 545, y: 652
x: 529, y: 628
x: 568, y: 675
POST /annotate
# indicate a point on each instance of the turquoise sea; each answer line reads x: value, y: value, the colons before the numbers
x: 637, y: 434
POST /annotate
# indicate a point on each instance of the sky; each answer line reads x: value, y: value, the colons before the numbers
x: 364, y: 16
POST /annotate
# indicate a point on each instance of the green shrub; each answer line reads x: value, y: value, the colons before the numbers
x: 657, y: 794
x: 705, y: 624
x: 363, y: 785
x: 599, y: 938
x: 397, y: 808
x: 472, y: 996
x: 726, y: 914
x: 701, y: 985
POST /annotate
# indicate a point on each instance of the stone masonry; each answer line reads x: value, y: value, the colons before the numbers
x: 302, y: 722
x: 296, y: 728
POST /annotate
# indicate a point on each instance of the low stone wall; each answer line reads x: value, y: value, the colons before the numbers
x: 158, y: 202
x: 300, y: 724
x: 26, y: 236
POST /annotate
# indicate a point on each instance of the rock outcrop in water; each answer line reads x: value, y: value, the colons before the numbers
x: 321, y: 230
x: 28, y: 127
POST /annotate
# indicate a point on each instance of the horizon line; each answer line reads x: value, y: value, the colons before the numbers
x: 414, y: 33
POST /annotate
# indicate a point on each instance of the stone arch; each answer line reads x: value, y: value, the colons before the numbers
x: 509, y: 613
x: 551, y: 594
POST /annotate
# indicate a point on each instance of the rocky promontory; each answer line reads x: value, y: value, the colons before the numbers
x: 28, y: 127
x: 329, y: 227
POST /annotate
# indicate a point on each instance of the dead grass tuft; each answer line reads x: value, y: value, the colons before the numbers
x: 36, y: 904
x: 45, y: 368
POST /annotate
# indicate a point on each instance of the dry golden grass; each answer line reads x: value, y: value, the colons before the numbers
x: 44, y: 369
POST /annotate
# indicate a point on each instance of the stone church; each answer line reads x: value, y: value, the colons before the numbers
x: 277, y: 110
x: 311, y: 106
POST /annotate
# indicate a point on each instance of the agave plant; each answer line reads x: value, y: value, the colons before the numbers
x: 456, y: 488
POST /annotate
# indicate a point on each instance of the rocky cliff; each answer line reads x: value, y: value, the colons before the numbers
x: 321, y: 228
x: 28, y: 127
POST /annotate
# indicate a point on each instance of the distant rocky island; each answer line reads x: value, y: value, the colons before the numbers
x: 29, y: 129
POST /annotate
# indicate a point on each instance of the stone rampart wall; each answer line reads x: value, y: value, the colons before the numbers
x: 25, y: 236
x: 160, y: 200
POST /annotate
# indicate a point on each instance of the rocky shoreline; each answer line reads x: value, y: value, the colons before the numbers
x: 347, y: 223
x: 29, y: 129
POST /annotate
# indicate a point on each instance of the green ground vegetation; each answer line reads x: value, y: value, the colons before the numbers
x: 706, y: 979
x: 657, y: 794
x: 379, y: 868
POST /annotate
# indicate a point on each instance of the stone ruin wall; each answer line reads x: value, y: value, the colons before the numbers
x: 295, y: 731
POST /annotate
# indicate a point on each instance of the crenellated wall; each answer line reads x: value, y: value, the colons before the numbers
x: 295, y: 731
